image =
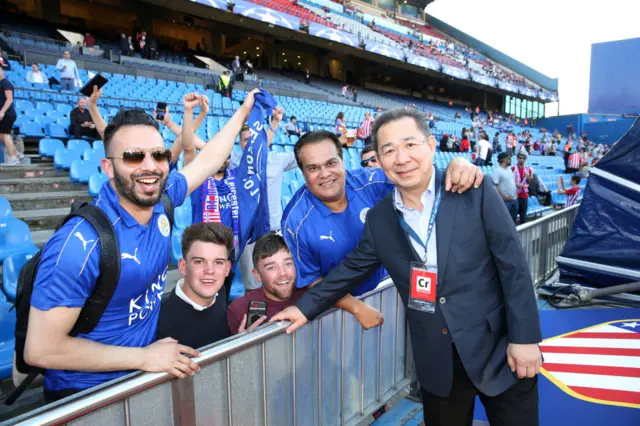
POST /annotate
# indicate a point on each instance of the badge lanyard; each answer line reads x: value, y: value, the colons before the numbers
x: 422, y: 294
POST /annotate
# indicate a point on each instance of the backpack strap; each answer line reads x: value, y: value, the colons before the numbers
x: 168, y: 208
x: 109, y: 276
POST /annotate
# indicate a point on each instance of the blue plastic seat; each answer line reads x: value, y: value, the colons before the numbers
x: 96, y: 181
x: 7, y: 339
x: 295, y: 185
x: 47, y: 147
x: 56, y: 130
x: 183, y: 215
x: 81, y: 171
x: 11, y: 271
x: 32, y: 129
x: 14, y: 238
x: 176, y: 245
x: 6, y: 212
x: 78, y: 144
x: 284, y: 201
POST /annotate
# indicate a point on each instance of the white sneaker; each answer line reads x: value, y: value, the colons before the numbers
x: 14, y: 162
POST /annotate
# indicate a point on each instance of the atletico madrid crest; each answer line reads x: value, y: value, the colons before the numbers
x: 599, y: 364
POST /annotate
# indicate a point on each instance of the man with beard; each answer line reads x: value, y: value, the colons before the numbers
x: 137, y: 164
x: 275, y: 270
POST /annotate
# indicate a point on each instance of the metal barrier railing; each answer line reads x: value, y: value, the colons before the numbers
x: 543, y: 240
x: 329, y: 372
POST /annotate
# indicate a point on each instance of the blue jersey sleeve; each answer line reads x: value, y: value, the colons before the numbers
x: 176, y: 188
x: 374, y: 182
x: 69, y: 267
x: 307, y: 265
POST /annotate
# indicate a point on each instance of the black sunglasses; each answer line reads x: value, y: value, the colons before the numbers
x: 135, y: 156
x: 365, y: 163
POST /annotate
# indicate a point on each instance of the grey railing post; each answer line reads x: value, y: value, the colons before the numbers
x: 184, y: 402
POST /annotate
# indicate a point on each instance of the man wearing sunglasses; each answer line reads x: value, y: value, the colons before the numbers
x: 368, y: 158
x: 137, y: 164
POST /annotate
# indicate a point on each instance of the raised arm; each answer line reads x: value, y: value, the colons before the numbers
x: 94, y: 111
x: 216, y: 152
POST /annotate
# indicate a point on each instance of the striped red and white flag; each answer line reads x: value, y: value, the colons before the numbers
x: 598, y: 364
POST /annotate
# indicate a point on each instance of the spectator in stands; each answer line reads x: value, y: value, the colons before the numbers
x: 89, y: 41
x: 523, y: 175
x: 368, y: 157
x: 465, y: 146
x: 307, y: 77
x: 275, y: 270
x: 4, y: 61
x: 355, y: 94
x: 8, y: 117
x: 69, y: 75
x: 505, y: 182
x: 510, y: 143
x: 292, y: 127
x: 235, y: 67
x: 364, y: 132
x: 137, y: 165
x: 36, y: 76
x: 484, y: 150
x: 444, y: 143
x: 326, y: 217
x: 538, y: 189
x: 497, y: 147
x: 341, y: 128
x: 574, y: 162
x: 345, y: 88
x: 124, y: 45
x: 195, y: 313
x: 224, y: 84
x: 573, y: 193
x: 81, y: 122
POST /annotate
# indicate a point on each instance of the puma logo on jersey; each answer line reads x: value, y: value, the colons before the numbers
x: 327, y: 237
x: 134, y: 257
x: 79, y: 236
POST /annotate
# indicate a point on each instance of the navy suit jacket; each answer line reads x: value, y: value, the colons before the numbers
x: 485, y: 295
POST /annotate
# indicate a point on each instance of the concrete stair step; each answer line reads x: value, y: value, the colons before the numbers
x: 45, y: 200
x: 32, y: 171
x: 40, y: 237
x: 42, y: 219
x: 39, y: 184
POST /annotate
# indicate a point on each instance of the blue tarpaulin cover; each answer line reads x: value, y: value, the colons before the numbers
x: 603, y: 248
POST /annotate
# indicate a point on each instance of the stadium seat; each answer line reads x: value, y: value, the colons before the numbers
x: 11, y: 271
x: 47, y: 147
x: 183, y: 215
x: 81, y: 171
x: 56, y: 130
x: 96, y: 181
x: 63, y: 158
x: 14, y: 238
x: 6, y: 212
x: 176, y: 245
x: 32, y: 129
x: 7, y: 338
x: 285, y: 200
x: 78, y: 144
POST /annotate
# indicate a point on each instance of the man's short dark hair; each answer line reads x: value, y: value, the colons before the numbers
x: 396, y: 114
x: 576, y: 179
x: 245, y: 128
x: 207, y: 233
x: 126, y: 117
x: 267, y: 245
x: 293, y: 118
x: 367, y: 148
x: 315, y: 137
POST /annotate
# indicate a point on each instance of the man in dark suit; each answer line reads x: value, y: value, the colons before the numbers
x: 81, y: 122
x: 458, y: 265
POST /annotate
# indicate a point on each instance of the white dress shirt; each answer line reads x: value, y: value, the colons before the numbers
x: 419, y: 222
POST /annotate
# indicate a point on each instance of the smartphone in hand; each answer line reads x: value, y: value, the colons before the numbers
x: 161, y: 108
x: 98, y: 80
x: 257, y: 309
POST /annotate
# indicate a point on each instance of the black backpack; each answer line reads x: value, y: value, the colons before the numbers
x: 97, y: 302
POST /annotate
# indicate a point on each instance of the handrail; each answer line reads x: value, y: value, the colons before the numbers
x: 120, y: 389
x: 548, y: 217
